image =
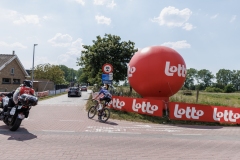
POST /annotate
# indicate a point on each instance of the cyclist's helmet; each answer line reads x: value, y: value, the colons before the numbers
x: 104, y: 87
x: 27, y: 83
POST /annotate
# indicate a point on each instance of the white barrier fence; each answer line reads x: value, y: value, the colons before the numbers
x: 47, y: 93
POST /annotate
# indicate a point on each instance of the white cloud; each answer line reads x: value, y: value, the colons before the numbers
x: 82, y: 2
x: 13, y: 45
x: 177, y: 45
x: 99, y: 2
x: 18, y: 18
x: 30, y: 19
x: 70, y: 57
x: 112, y: 4
x: 76, y: 47
x: 188, y: 26
x: 233, y: 18
x: 173, y: 17
x: 214, y: 16
x: 46, y: 17
x: 109, y: 3
x: 103, y: 20
x: 61, y: 40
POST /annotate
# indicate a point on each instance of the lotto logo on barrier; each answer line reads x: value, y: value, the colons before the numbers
x: 226, y: 114
x: 204, y: 113
x: 138, y: 105
x: 194, y: 112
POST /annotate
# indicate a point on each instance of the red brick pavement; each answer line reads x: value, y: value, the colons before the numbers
x: 59, y: 129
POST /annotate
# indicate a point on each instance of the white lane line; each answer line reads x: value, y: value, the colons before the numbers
x: 126, y: 132
x: 109, y: 131
x: 187, y: 134
x: 163, y: 130
x: 71, y: 120
x: 56, y: 131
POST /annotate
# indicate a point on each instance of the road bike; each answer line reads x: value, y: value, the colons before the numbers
x: 103, y: 114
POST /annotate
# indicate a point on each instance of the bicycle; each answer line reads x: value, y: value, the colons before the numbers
x: 103, y: 114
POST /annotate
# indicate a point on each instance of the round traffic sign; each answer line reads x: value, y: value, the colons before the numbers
x: 107, y: 68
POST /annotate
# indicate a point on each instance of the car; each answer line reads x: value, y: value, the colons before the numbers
x: 83, y: 88
x: 74, y: 91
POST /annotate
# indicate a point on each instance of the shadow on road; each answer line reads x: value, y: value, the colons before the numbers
x: 108, y: 122
x: 21, y: 134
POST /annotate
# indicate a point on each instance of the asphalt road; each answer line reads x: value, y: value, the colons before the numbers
x: 58, y: 128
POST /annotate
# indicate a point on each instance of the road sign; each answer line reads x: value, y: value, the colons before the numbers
x: 107, y: 68
x: 106, y: 81
x: 110, y: 76
x: 105, y: 77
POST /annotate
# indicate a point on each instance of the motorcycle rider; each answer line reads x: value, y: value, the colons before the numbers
x: 25, y: 88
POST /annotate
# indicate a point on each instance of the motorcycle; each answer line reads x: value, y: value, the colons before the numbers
x: 14, y: 116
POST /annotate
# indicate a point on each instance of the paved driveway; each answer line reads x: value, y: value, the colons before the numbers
x: 58, y: 128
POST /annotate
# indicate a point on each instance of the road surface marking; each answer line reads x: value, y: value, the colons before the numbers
x: 71, y: 120
x: 187, y: 134
x: 56, y: 131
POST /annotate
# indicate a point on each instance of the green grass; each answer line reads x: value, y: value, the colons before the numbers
x: 206, y: 98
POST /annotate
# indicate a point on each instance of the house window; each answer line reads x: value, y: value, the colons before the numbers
x: 6, y: 80
x: 16, y: 81
x: 12, y: 71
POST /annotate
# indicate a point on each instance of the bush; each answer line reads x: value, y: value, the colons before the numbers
x: 229, y: 88
x: 213, y: 89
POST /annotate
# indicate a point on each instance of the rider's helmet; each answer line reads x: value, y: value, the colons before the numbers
x: 27, y: 83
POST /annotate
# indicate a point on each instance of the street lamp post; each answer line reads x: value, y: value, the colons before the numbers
x: 33, y: 62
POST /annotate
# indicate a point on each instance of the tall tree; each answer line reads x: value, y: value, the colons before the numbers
x: 69, y: 73
x: 50, y: 72
x: 109, y: 49
x: 224, y: 77
x: 236, y: 79
x: 191, y: 78
x: 204, y: 78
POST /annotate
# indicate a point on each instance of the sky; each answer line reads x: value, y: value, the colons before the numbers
x: 206, y: 33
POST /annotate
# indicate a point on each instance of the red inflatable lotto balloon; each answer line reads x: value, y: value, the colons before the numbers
x: 157, y: 72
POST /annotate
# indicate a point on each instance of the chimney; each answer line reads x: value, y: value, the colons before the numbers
x: 13, y: 52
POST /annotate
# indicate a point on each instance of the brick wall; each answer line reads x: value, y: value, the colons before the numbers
x: 40, y: 86
x: 6, y: 73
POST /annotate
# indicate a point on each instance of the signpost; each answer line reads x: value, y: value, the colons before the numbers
x: 107, y: 75
x: 107, y: 68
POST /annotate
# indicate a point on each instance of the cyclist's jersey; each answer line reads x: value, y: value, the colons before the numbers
x: 106, y: 93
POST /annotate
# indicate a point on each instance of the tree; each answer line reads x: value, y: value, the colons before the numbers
x: 81, y: 78
x: 236, y: 79
x: 204, y: 78
x: 191, y: 77
x: 109, y: 49
x: 224, y: 77
x: 50, y: 72
x: 69, y: 73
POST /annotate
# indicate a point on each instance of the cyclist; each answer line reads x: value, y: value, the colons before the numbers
x: 107, y: 97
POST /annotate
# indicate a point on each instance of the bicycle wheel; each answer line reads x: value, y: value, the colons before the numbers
x: 92, y: 112
x: 105, y: 115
